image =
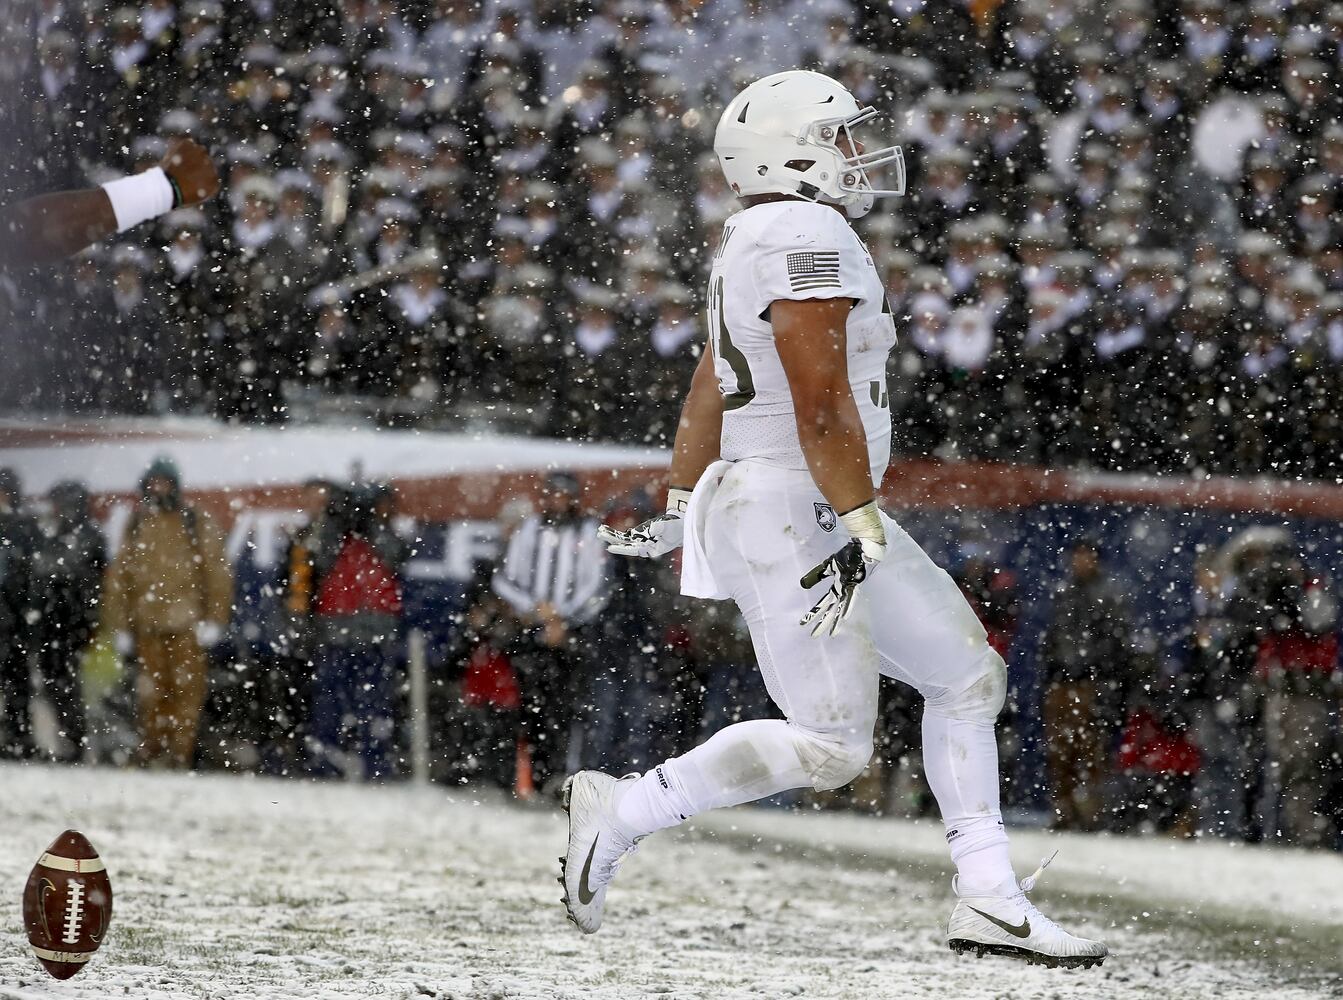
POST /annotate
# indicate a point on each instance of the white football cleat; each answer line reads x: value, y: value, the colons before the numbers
x: 596, y: 847
x: 1008, y: 923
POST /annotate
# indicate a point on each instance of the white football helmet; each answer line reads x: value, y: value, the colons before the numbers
x: 780, y: 135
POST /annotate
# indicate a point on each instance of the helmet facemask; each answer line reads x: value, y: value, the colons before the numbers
x: 857, y: 190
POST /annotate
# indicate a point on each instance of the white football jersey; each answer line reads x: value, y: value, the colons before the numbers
x: 793, y: 250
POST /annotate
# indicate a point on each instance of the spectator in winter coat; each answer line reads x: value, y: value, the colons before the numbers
x: 1085, y: 657
x: 19, y: 544
x: 506, y: 48
x: 1011, y: 152
x: 139, y: 345
x: 354, y: 564
x: 420, y: 323
x: 68, y: 575
x: 127, y: 74
x: 188, y: 287
x: 490, y: 692
x: 601, y: 333
x: 1296, y: 662
x: 1157, y: 764
x: 168, y: 598
x: 992, y: 593
x: 1218, y: 654
x: 1029, y: 45
x: 287, y: 690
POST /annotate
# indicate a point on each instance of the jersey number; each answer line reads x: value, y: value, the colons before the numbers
x: 725, y: 349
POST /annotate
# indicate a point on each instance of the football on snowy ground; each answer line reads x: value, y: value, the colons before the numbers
x: 67, y: 905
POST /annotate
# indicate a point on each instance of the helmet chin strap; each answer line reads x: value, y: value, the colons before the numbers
x: 855, y: 205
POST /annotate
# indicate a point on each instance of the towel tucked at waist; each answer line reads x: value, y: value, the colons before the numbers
x: 697, y: 579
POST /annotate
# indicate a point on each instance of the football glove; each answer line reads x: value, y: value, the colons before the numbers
x: 654, y: 537
x: 846, y: 569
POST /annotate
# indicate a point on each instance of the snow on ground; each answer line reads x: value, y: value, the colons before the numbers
x: 229, y: 887
x: 1232, y: 878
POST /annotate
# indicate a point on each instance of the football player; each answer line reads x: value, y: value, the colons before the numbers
x: 783, y: 439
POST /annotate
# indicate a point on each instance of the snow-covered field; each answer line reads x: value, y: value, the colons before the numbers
x: 232, y: 887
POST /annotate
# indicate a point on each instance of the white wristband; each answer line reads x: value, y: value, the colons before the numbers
x: 865, y: 523
x: 139, y: 197
x: 678, y: 501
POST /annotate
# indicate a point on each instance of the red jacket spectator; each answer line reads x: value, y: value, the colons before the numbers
x: 490, y: 680
x: 1150, y: 747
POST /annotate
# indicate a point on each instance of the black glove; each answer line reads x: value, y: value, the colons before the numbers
x: 847, y: 568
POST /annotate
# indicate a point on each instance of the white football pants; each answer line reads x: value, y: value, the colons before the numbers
x: 763, y: 529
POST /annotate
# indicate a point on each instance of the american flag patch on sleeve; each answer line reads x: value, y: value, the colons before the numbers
x: 810, y: 269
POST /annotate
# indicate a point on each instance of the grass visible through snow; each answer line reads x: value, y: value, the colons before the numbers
x: 230, y: 888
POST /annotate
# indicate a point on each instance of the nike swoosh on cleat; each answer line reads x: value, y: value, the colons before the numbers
x: 585, y: 894
x: 1021, y: 931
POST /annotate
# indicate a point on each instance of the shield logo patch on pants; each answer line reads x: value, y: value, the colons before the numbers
x: 825, y: 516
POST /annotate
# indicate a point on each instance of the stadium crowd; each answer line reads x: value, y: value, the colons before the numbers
x: 1120, y: 248
x: 556, y: 656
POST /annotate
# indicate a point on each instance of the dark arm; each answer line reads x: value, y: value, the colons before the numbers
x: 50, y: 227
x: 699, y: 433
x: 812, y: 344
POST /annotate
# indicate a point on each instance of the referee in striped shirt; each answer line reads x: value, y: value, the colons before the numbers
x: 555, y: 575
